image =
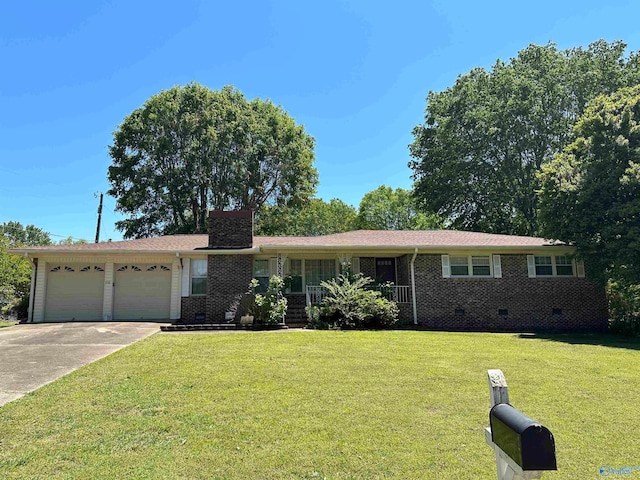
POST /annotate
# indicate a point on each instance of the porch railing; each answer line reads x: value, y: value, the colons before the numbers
x: 395, y: 293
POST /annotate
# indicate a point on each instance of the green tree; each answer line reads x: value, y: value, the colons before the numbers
x: 388, y: 209
x: 18, y: 235
x: 190, y: 149
x: 484, y: 139
x: 72, y: 241
x: 15, y: 270
x: 316, y: 217
x: 590, y: 192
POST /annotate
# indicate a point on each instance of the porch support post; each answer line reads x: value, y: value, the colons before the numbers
x: 280, y: 265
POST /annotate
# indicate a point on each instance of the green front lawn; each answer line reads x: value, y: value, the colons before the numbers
x: 4, y: 323
x: 313, y: 405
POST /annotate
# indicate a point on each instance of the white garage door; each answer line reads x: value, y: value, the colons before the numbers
x: 142, y: 292
x: 74, y: 292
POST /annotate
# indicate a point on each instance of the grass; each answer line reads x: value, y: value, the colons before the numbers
x: 313, y: 405
x: 4, y: 323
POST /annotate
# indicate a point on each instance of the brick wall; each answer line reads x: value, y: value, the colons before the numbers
x: 528, y: 301
x: 233, y: 229
x: 228, y: 278
x: 190, y: 307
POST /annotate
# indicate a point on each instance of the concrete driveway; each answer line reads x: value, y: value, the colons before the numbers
x: 33, y: 355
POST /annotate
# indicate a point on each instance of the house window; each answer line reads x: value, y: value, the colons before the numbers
x: 564, y: 266
x: 481, y: 266
x: 471, y: 266
x: 198, y: 277
x: 261, y: 273
x: 459, y: 266
x: 557, y: 265
x: 317, y: 271
x: 544, y: 266
x: 295, y: 275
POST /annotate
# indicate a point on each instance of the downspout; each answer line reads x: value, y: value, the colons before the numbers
x: 413, y: 286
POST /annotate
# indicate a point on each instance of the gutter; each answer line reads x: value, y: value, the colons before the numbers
x: 413, y: 286
x: 267, y: 248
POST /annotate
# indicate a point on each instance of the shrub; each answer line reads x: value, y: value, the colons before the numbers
x: 317, y: 319
x: 270, y: 307
x: 17, y: 309
x: 624, y: 308
x: 350, y: 304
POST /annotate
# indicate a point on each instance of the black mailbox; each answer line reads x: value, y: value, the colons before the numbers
x: 528, y: 443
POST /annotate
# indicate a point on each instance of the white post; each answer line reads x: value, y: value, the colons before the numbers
x: 507, y: 468
x: 280, y: 261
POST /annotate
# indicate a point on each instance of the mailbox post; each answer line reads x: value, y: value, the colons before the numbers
x: 524, y: 449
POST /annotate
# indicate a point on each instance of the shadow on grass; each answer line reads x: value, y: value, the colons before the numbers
x: 604, y: 339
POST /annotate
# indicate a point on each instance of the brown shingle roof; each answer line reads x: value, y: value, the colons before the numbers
x: 405, y: 239
x: 360, y: 238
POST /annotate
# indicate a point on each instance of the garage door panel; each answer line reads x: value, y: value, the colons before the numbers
x: 142, y: 292
x: 74, y: 292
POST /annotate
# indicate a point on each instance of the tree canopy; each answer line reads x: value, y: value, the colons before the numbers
x: 190, y: 149
x: 388, y: 209
x: 15, y: 271
x: 18, y: 235
x: 316, y: 217
x: 476, y: 157
x: 590, y: 192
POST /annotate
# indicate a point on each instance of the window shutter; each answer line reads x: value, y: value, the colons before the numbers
x: 186, y: 277
x: 580, y: 268
x: 531, y: 265
x: 446, y: 268
x: 497, y: 267
x: 355, y: 264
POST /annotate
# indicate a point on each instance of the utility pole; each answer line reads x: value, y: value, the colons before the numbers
x: 99, y: 216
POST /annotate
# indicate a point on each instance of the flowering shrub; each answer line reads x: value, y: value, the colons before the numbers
x: 270, y: 306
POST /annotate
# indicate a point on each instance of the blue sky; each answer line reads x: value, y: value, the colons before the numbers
x: 354, y: 73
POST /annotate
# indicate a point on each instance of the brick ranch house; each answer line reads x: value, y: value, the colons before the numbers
x: 443, y: 279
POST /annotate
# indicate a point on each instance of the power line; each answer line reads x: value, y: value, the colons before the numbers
x: 66, y: 236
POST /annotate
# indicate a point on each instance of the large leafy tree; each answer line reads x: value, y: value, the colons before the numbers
x: 190, y: 149
x: 18, y: 235
x: 15, y: 271
x: 590, y: 193
x: 484, y: 139
x: 388, y: 209
x: 316, y: 217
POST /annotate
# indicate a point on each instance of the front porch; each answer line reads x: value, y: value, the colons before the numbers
x: 314, y: 294
x: 395, y: 293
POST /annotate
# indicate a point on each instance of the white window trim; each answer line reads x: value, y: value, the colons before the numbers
x: 576, y: 266
x: 192, y: 276
x: 186, y: 277
x: 273, y: 266
x: 447, y: 266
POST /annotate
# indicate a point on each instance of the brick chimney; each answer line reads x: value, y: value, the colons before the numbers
x: 230, y: 229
